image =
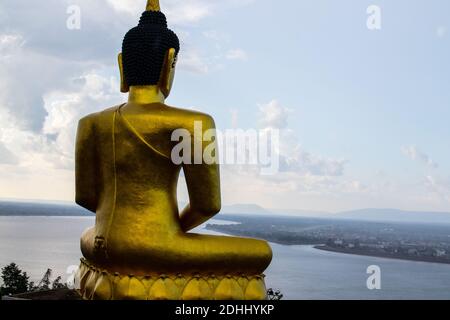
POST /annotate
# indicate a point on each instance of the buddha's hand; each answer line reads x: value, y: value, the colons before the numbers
x: 190, y: 218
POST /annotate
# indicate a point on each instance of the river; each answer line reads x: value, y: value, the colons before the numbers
x: 300, y: 272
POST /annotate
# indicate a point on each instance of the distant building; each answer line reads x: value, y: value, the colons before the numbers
x: 439, y: 252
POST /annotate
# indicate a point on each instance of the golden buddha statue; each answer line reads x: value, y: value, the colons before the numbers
x: 140, y: 246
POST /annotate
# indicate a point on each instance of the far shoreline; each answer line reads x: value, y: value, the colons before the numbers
x: 324, y: 247
x: 379, y: 255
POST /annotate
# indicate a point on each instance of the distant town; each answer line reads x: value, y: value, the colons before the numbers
x: 420, y: 242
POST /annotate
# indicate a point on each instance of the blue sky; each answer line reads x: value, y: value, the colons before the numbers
x: 367, y: 111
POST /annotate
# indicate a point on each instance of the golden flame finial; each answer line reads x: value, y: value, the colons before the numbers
x: 153, y: 5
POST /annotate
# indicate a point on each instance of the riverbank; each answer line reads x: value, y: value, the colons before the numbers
x: 258, y: 235
x: 377, y: 254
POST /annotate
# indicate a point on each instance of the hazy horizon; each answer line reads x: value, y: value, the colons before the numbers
x: 237, y: 206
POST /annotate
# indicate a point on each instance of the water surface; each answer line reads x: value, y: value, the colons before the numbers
x: 300, y: 272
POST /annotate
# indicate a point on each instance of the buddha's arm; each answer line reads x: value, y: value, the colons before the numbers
x: 85, y: 166
x: 203, y: 183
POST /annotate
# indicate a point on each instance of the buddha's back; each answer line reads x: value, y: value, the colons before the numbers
x: 138, y: 176
x: 124, y: 157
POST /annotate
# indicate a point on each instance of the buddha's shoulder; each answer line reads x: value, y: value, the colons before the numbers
x: 96, y: 117
x: 187, y: 117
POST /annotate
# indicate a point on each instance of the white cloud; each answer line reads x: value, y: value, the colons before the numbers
x: 9, y: 43
x: 237, y: 54
x: 187, y: 12
x: 302, y: 173
x: 26, y: 75
x: 273, y: 115
x: 305, y: 162
x: 65, y: 108
x: 415, y: 154
x: 48, y: 154
x: 127, y: 6
x: 293, y: 158
x: 192, y: 60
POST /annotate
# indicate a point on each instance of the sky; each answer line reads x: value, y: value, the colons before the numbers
x: 364, y: 113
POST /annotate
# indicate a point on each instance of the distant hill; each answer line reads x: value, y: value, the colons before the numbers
x: 29, y: 208
x: 302, y: 213
x: 258, y: 210
x: 13, y: 208
x: 18, y: 208
x: 245, y: 209
x: 393, y: 215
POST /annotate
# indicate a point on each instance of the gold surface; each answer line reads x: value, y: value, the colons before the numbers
x: 153, y: 5
x: 124, y: 174
x: 98, y: 284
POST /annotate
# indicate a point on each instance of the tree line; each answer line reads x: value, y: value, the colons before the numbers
x: 16, y: 281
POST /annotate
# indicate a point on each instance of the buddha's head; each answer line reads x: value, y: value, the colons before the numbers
x: 149, y: 52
